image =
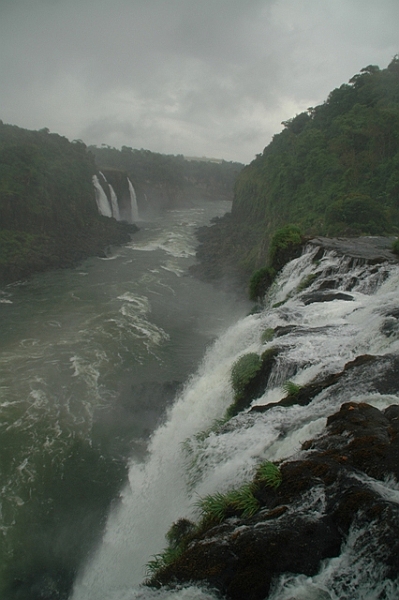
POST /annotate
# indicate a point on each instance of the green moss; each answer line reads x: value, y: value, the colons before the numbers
x: 267, y: 335
x: 283, y: 243
x: 395, y: 247
x: 244, y: 370
x: 269, y: 473
x: 291, y: 388
x: 260, y: 282
x: 307, y: 281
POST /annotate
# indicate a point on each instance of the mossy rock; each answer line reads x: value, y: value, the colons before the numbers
x: 250, y: 376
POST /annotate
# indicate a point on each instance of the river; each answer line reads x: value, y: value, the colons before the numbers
x: 91, y: 358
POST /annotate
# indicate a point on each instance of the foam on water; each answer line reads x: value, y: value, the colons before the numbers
x: 184, y: 464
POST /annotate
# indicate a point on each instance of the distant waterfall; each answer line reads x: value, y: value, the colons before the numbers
x: 103, y: 205
x: 133, y: 202
x: 114, y: 203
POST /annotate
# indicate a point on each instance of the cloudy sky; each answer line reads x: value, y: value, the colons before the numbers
x: 194, y: 77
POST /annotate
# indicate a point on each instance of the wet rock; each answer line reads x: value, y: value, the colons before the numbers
x: 326, y: 492
x: 321, y: 296
x: 306, y: 393
x: 369, y: 249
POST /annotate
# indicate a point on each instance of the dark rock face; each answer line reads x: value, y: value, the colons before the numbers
x: 370, y: 249
x: 327, y: 491
x: 325, y: 297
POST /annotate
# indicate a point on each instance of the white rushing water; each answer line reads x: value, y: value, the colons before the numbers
x: 89, y: 359
x: 133, y: 203
x: 183, y: 466
x: 103, y: 205
x: 114, y: 203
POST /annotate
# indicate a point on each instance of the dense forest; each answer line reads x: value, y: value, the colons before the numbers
x: 333, y: 170
x: 168, y: 180
x: 48, y: 214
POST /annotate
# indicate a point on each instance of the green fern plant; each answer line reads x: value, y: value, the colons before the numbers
x: 244, y: 501
x: 269, y: 473
x: 267, y: 335
x: 291, y: 388
x: 216, y: 507
x: 307, y: 281
x: 244, y: 370
x: 163, y: 559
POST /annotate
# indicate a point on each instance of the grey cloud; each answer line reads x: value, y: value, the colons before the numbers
x: 201, y: 77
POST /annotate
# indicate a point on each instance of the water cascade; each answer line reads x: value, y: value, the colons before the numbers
x: 103, y: 205
x: 193, y: 455
x: 133, y: 202
x: 114, y: 203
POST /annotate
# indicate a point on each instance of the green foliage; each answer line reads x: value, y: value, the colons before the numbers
x: 179, y: 531
x: 242, y: 501
x: 48, y: 212
x: 307, y: 281
x: 163, y: 559
x: 267, y: 335
x: 395, y: 247
x: 291, y: 388
x: 332, y: 170
x: 144, y: 166
x: 282, y: 244
x: 260, y: 282
x: 215, y: 508
x: 244, y: 370
x: 269, y: 473
x: 355, y: 214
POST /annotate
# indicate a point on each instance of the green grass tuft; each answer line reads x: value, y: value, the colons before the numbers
x: 269, y: 473
x: 291, y: 388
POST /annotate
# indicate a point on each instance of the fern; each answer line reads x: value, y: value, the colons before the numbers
x: 269, y: 473
x: 291, y: 388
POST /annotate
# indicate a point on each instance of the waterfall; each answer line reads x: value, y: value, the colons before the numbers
x: 133, y: 202
x: 183, y: 466
x: 103, y: 205
x: 114, y: 203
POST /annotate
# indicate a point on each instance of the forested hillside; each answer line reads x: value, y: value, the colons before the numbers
x: 167, y: 180
x: 48, y: 214
x: 333, y: 170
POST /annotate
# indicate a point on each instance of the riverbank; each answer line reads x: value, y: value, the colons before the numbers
x: 23, y: 254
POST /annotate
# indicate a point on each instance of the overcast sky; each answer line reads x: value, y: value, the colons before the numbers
x: 194, y: 77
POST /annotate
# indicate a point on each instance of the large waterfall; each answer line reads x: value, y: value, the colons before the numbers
x: 114, y: 203
x: 103, y: 205
x: 189, y: 457
x: 133, y: 202
x: 120, y: 208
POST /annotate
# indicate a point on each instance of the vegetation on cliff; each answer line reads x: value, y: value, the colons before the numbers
x: 48, y: 213
x: 333, y: 170
x: 167, y: 179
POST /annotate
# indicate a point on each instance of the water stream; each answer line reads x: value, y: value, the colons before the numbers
x: 90, y: 358
x: 113, y: 376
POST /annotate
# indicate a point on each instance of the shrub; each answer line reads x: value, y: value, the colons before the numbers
x: 260, y: 281
x: 244, y: 370
x: 355, y: 214
x: 307, y: 281
x: 284, y: 246
x: 267, y: 335
x: 291, y: 388
x: 269, y: 473
x: 216, y: 507
x: 163, y: 559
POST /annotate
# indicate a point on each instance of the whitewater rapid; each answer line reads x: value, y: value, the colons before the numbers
x: 192, y: 455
